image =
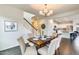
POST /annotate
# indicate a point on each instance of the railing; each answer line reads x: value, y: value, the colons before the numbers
x: 30, y: 24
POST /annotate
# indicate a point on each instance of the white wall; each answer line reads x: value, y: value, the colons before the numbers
x: 9, y: 39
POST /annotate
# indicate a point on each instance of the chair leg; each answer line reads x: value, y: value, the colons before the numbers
x: 57, y: 52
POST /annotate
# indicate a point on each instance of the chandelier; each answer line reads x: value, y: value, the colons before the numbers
x: 46, y: 11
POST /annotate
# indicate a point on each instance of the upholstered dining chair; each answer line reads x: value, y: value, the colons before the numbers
x: 59, y: 41
x: 50, y: 50
x: 26, y: 50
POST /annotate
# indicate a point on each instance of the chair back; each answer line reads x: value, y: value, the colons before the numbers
x: 22, y: 44
x: 59, y: 41
x: 54, y: 44
x: 52, y: 47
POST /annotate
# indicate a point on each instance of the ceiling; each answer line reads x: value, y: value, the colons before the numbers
x: 58, y: 9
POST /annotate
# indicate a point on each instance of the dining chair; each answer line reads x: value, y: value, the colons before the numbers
x: 25, y: 50
x: 58, y: 44
x: 50, y: 50
x: 59, y: 38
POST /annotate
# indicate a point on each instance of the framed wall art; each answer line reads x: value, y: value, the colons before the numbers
x: 10, y: 26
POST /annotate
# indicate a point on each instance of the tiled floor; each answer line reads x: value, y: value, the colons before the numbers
x: 66, y: 48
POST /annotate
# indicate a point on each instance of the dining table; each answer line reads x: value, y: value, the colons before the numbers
x: 40, y: 42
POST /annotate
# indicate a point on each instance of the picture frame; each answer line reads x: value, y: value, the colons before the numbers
x: 10, y: 26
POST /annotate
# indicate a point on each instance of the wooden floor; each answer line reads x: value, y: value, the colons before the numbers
x: 66, y: 47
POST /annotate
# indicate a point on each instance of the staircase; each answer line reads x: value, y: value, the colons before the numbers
x: 30, y: 24
x: 27, y: 23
